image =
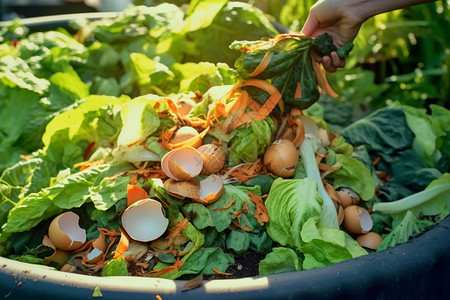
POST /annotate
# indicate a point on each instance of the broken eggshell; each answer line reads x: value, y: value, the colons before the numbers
x: 370, y: 240
x: 185, y: 133
x: 357, y: 220
x: 213, y: 158
x: 182, y: 189
x: 211, y: 188
x: 347, y: 197
x: 182, y: 163
x: 58, y: 256
x: 65, y: 233
x: 97, y: 250
x: 281, y: 157
x: 145, y: 220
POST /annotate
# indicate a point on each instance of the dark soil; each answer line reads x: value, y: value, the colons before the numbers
x: 245, y: 265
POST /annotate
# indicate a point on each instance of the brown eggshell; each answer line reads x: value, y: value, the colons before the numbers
x: 213, y: 158
x: 145, y: 220
x: 65, y: 233
x: 185, y: 106
x: 182, y: 163
x: 58, y: 256
x: 370, y: 240
x: 184, y: 133
x: 182, y: 189
x: 347, y: 197
x: 281, y: 157
x: 357, y: 220
x: 97, y: 250
x: 211, y: 188
x: 323, y: 137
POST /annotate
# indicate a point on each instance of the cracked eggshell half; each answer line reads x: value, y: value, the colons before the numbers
x: 58, y: 256
x: 357, y: 220
x: 185, y: 133
x: 182, y: 189
x: 145, y: 220
x: 97, y: 251
x: 213, y: 158
x: 182, y: 163
x: 65, y: 233
x: 211, y: 188
x: 370, y: 240
x: 281, y: 157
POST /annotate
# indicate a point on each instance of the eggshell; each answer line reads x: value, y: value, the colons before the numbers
x: 58, y: 256
x: 65, y: 233
x: 145, y: 220
x: 185, y: 106
x: 357, y: 220
x: 370, y: 240
x: 281, y: 157
x: 310, y: 125
x: 184, y: 133
x: 211, y: 188
x: 213, y: 158
x: 182, y: 189
x: 323, y: 137
x: 96, y: 252
x: 182, y: 163
x: 347, y: 197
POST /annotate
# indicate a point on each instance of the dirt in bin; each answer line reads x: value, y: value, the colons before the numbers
x: 245, y: 265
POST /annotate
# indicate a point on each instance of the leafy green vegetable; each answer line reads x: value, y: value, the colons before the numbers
x: 250, y: 142
x: 291, y: 202
x: 407, y: 227
x: 280, y: 260
x: 353, y: 174
x: 115, y: 267
x: 290, y: 65
x: 139, y: 120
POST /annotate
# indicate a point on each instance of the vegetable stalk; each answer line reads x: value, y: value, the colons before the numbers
x: 412, y: 200
x: 328, y: 217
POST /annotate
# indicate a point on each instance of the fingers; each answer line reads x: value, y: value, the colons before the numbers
x: 332, y: 63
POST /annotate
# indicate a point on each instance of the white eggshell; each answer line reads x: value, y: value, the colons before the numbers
x: 145, y: 220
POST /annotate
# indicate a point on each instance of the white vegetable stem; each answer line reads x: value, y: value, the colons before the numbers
x: 329, y: 215
x: 412, y: 200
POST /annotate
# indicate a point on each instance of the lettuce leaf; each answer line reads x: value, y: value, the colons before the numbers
x: 139, y: 120
x: 291, y: 202
x: 353, y: 174
x: 250, y: 141
x: 280, y: 260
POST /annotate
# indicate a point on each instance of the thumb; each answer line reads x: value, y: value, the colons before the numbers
x: 310, y: 26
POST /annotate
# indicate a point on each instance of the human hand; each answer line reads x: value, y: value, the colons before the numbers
x: 340, y: 21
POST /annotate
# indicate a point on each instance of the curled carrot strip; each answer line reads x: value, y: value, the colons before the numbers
x: 262, y: 65
x: 322, y: 80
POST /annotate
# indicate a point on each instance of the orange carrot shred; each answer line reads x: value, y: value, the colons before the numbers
x: 221, y: 273
x: 376, y: 161
x: 298, y: 91
x: 178, y: 227
x: 123, y: 244
x: 262, y: 65
x: 135, y: 193
x: 322, y: 80
x: 325, y: 167
x: 261, y: 213
x: 230, y: 204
